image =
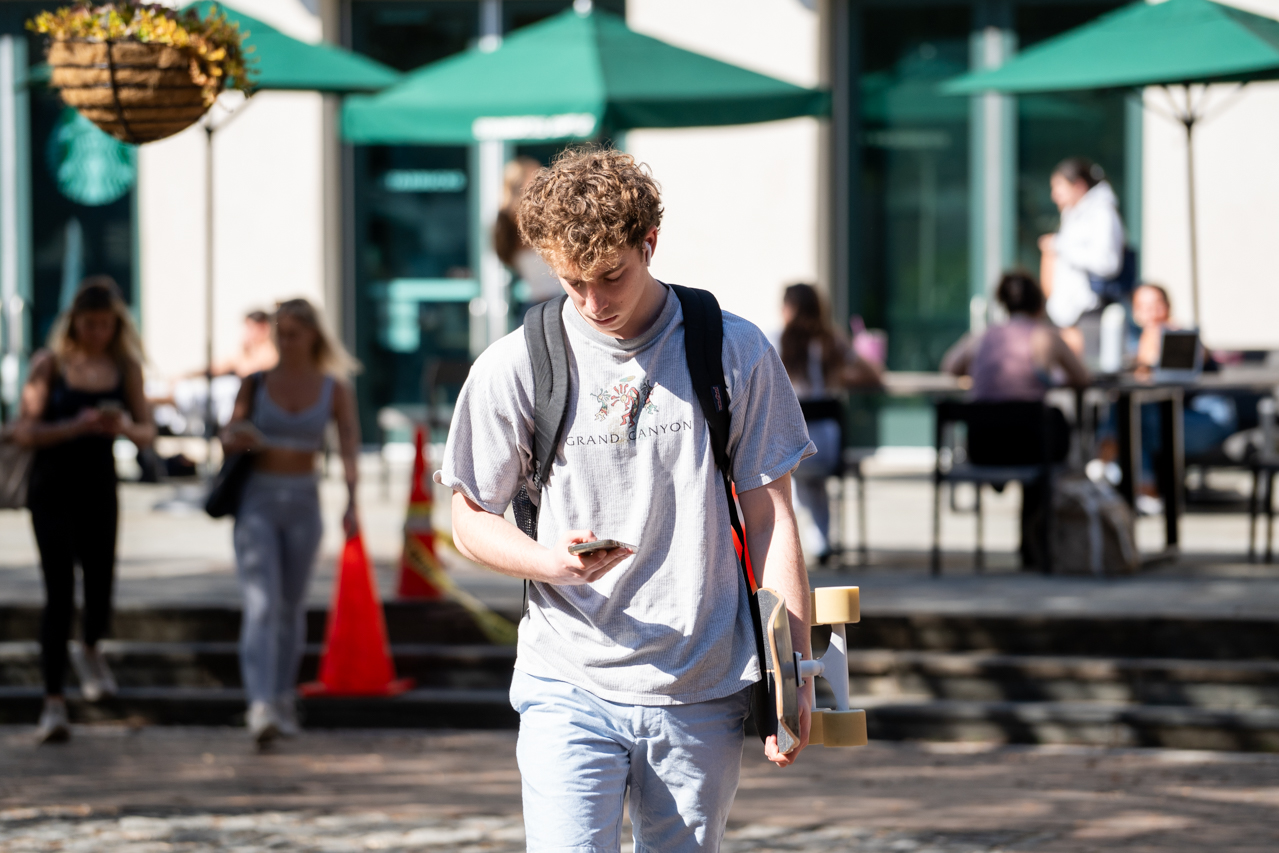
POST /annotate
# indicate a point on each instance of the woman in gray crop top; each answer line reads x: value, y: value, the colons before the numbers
x: 282, y: 414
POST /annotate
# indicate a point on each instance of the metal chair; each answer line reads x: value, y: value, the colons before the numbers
x: 1017, y: 431
x: 1265, y: 465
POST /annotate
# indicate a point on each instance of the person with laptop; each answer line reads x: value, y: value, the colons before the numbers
x: 1166, y: 353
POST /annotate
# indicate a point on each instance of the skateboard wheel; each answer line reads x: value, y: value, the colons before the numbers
x: 841, y: 728
x: 836, y: 605
x: 815, y: 731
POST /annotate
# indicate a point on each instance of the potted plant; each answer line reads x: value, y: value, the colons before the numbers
x: 142, y: 72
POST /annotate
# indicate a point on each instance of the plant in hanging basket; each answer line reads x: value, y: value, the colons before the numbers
x: 142, y: 72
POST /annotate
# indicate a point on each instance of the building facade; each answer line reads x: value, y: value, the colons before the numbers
x: 903, y: 206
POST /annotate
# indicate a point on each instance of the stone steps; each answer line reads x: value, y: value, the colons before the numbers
x: 987, y: 677
x: 1099, y: 724
x: 406, y: 622
x: 1091, y: 723
x: 1222, y: 639
x: 216, y: 665
x: 1184, y: 683
x: 448, y: 707
x: 982, y: 677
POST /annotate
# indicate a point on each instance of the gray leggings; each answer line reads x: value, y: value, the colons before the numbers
x: 277, y: 534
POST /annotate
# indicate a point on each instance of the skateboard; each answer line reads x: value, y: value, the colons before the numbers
x: 786, y: 671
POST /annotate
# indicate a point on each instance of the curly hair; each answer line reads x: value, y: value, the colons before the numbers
x: 587, y: 207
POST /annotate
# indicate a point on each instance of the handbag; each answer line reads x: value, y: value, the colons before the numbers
x: 228, y: 484
x: 15, y: 471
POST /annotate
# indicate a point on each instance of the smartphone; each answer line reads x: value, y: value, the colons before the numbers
x: 583, y: 549
x: 111, y: 407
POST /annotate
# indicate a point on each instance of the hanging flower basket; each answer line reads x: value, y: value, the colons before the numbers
x: 141, y: 73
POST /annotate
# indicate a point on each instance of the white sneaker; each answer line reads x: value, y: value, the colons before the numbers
x: 1149, y: 505
x: 286, y: 715
x: 264, y: 724
x: 85, y: 671
x: 53, y: 726
x: 106, y: 681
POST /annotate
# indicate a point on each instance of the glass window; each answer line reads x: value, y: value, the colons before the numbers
x: 408, y: 35
x: 412, y: 220
x: 70, y: 239
x: 1053, y: 127
x: 914, y: 241
x: 521, y: 13
x: 414, y: 208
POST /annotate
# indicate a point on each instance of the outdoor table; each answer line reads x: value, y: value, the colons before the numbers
x: 1130, y: 394
x: 904, y: 383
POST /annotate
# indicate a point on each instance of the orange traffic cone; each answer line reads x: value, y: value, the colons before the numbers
x: 419, y: 535
x: 357, y: 658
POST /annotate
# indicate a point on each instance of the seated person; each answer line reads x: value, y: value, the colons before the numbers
x: 257, y: 349
x: 1019, y: 361
x: 1208, y: 419
x: 820, y: 365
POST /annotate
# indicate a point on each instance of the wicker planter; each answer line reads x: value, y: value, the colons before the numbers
x: 135, y: 91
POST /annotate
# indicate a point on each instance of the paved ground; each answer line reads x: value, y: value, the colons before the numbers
x: 169, y: 556
x: 114, y: 789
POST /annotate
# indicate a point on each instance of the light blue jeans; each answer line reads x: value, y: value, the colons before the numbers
x: 578, y: 754
x: 809, y: 480
x: 277, y: 534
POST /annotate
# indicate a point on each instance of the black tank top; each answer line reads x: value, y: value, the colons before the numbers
x: 83, y: 463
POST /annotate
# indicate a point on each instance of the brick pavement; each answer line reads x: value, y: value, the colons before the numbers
x: 187, y: 789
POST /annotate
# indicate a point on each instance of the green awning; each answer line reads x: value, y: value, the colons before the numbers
x: 284, y: 63
x: 571, y: 76
x: 1144, y: 44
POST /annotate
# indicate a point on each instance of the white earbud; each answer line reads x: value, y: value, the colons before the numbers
x: 648, y: 254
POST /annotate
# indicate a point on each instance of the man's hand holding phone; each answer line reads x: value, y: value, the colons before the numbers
x: 569, y: 569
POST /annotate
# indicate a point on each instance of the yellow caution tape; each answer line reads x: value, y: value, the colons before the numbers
x: 497, y: 628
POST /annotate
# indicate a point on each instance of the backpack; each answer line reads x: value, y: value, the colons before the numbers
x: 1119, y: 288
x: 1093, y: 531
x: 703, y: 347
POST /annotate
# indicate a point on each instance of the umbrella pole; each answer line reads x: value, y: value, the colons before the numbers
x: 1189, y: 122
x: 210, y: 424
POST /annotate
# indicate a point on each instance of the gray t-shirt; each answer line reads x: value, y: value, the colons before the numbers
x: 671, y: 624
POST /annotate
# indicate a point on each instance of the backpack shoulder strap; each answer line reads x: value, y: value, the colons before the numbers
x: 704, y: 347
x: 548, y: 350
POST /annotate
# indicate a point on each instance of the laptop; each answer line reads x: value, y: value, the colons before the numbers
x: 1181, y: 356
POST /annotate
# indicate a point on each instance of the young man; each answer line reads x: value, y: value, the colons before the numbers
x: 634, y: 665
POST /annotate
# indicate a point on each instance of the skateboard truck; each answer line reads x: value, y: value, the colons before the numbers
x: 787, y: 671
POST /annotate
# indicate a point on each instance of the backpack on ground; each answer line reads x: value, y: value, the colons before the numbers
x: 703, y: 349
x: 1093, y: 529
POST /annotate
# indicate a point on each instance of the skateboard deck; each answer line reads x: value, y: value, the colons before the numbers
x: 780, y: 668
x: 785, y: 671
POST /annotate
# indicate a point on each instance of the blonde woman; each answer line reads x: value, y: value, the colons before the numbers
x: 83, y: 392
x: 281, y: 415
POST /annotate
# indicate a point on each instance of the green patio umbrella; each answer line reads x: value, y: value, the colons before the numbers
x: 581, y: 74
x: 1179, y: 43
x: 284, y: 63
x: 576, y: 75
